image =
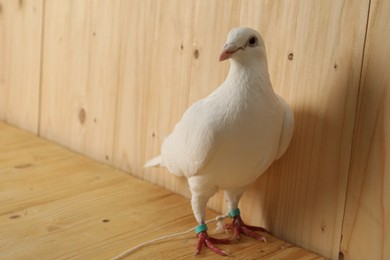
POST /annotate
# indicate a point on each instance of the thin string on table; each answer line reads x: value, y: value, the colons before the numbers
x: 218, y: 219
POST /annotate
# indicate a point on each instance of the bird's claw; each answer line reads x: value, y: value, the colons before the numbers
x: 205, y: 240
x: 239, y: 227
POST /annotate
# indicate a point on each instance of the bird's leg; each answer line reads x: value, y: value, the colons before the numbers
x: 239, y: 227
x: 205, y: 240
x: 200, y: 196
x: 232, y: 198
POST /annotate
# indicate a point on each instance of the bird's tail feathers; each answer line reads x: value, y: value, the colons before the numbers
x: 155, y: 162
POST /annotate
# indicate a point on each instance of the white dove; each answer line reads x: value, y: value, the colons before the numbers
x: 228, y: 139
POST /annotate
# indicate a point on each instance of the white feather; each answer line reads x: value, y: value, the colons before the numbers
x: 155, y: 162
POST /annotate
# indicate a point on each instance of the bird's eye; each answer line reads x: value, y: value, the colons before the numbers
x: 252, y: 41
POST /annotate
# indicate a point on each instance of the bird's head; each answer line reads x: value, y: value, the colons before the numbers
x: 243, y: 44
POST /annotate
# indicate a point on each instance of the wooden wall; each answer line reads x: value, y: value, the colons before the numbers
x: 366, y: 229
x: 20, y: 62
x: 110, y: 78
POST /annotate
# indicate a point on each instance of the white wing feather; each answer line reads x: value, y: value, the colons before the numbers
x: 192, y: 143
x: 287, y: 129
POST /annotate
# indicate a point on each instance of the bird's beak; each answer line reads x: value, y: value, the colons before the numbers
x: 228, y: 51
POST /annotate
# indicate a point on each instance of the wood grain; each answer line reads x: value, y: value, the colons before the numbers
x: 56, y: 204
x: 366, y: 229
x: 80, y: 75
x: 154, y: 82
x: 20, y: 60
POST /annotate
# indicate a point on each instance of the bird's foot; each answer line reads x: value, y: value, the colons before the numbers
x: 205, y: 240
x: 239, y: 227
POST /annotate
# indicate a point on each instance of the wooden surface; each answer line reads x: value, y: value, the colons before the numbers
x: 20, y: 60
x: 366, y: 226
x: 80, y: 75
x: 115, y: 76
x: 56, y: 204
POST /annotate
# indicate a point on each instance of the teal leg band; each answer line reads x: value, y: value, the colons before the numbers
x: 200, y: 228
x: 235, y: 212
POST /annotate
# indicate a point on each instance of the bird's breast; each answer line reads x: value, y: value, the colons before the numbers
x: 248, y: 145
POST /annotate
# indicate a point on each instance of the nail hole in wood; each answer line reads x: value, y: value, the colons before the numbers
x: 291, y: 56
x: 323, y: 228
x: 105, y: 220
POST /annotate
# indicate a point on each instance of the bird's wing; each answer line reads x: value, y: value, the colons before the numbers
x: 193, y: 141
x: 287, y: 129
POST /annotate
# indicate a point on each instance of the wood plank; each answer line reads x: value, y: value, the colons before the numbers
x: 60, y: 205
x: 154, y: 82
x: 20, y: 60
x: 80, y: 68
x: 366, y: 228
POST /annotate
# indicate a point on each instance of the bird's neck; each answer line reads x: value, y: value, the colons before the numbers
x: 252, y: 74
